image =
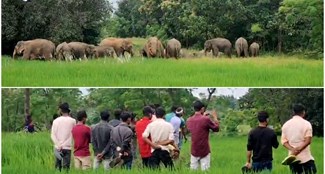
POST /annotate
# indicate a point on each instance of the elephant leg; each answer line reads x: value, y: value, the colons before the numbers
x: 215, y: 52
x: 228, y: 52
x: 246, y: 52
x: 238, y: 52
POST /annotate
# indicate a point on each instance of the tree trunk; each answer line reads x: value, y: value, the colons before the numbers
x: 210, y: 91
x: 280, y: 40
x: 27, y: 102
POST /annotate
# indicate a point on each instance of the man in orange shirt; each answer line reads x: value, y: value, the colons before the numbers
x: 296, y: 137
x: 141, y: 125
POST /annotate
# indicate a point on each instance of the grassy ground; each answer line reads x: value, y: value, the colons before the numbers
x: 253, y: 72
x: 32, y: 154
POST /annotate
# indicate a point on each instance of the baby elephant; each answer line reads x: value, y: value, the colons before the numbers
x: 103, y: 51
x: 254, y: 49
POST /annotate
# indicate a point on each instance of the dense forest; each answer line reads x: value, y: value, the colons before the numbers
x: 294, y: 26
x: 236, y: 116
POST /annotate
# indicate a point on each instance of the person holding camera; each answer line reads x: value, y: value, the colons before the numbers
x: 199, y: 126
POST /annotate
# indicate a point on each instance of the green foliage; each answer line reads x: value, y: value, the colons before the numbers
x: 59, y: 21
x: 279, y: 101
x: 20, y: 150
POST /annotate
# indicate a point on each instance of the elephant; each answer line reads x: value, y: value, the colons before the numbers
x: 241, y: 46
x: 173, y: 48
x: 254, y: 49
x: 153, y: 48
x: 103, y: 51
x: 35, y: 49
x: 64, y: 52
x: 120, y: 45
x: 81, y: 50
x: 216, y: 45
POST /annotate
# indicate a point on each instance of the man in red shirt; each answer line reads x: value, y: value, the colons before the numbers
x: 81, y: 137
x: 141, y: 125
x: 199, y: 126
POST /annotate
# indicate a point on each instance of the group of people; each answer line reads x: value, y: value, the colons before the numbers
x: 296, y: 138
x: 159, y: 136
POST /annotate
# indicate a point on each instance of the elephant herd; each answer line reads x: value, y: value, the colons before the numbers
x: 109, y: 47
x: 45, y: 49
x: 224, y: 45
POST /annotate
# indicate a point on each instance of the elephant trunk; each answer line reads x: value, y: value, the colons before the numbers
x: 14, y: 54
x: 205, y: 51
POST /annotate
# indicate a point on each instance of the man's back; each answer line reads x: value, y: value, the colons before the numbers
x: 159, y: 130
x: 100, y: 136
x: 199, y: 127
x: 261, y: 140
x: 121, y: 134
x: 81, y: 136
x: 294, y: 131
x: 140, y: 126
x: 61, y: 131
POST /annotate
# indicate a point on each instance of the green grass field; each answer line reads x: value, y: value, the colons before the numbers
x: 252, y: 72
x: 33, y: 153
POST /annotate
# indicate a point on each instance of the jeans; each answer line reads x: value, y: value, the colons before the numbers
x: 127, y: 165
x: 304, y: 168
x: 65, y: 161
x: 259, y: 166
x: 104, y: 161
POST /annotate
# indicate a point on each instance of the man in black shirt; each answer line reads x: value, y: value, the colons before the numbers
x: 260, y: 142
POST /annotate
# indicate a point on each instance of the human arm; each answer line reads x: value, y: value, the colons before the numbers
x: 214, y: 122
x: 307, y: 138
x: 183, y: 132
x: 108, y: 145
x: 146, y: 139
x: 250, y: 143
x: 249, y: 157
x: 275, y: 142
x: 53, y: 136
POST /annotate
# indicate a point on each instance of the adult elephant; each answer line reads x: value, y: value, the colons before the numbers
x: 120, y: 45
x: 153, y: 48
x: 173, y: 48
x: 81, y: 50
x: 254, y: 49
x: 64, y: 52
x: 103, y: 51
x: 216, y: 45
x: 241, y: 47
x: 35, y: 49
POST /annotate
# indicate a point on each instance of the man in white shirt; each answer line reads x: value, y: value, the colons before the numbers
x: 162, y: 135
x: 61, y: 136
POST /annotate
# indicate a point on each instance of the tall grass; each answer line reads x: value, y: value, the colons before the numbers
x: 200, y: 72
x: 33, y: 154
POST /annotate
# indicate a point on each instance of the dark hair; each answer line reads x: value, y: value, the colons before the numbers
x: 64, y: 108
x: 104, y: 115
x: 147, y: 110
x: 173, y: 108
x: 160, y: 112
x: 298, y: 109
x: 198, y: 105
x: 262, y: 116
x: 81, y: 115
x: 117, y: 113
x: 125, y: 116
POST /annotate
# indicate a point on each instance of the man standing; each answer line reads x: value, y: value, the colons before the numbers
x: 199, y: 127
x: 117, y: 120
x: 141, y: 125
x: 81, y: 137
x: 62, y: 137
x: 260, y: 142
x: 162, y: 135
x: 296, y: 137
x: 176, y: 123
x: 100, y: 139
x: 121, y: 139
x: 170, y: 115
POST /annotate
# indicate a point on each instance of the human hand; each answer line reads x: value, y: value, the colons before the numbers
x: 156, y: 146
x: 100, y: 156
x: 295, y: 151
x: 185, y: 139
x: 248, y: 165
